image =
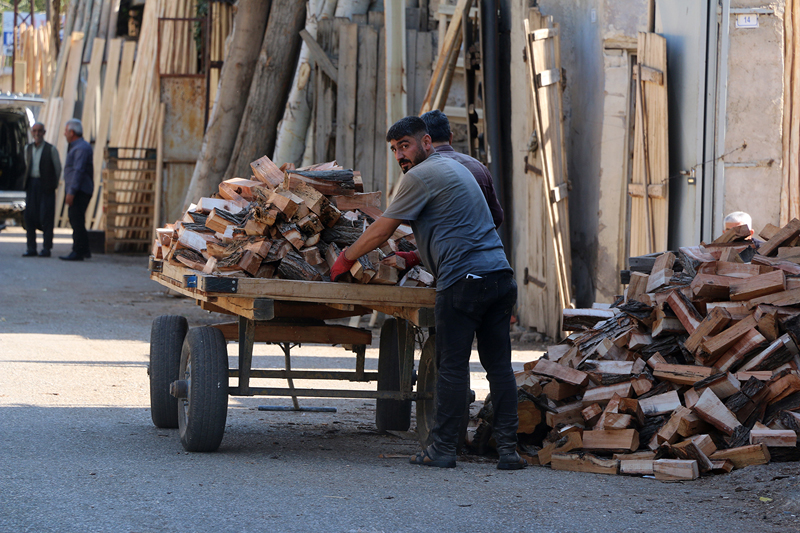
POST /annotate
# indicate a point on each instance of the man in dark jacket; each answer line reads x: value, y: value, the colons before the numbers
x: 78, y: 188
x: 439, y: 129
x: 43, y: 169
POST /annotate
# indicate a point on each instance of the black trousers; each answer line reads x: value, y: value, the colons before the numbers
x: 470, y: 308
x: 40, y: 213
x: 77, y: 219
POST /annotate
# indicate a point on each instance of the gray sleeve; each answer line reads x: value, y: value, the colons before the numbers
x: 56, y: 160
x: 411, y: 197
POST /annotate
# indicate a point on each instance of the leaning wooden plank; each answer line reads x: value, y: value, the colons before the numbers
x: 675, y: 470
x: 713, y: 411
x: 560, y: 372
x: 584, y: 462
x: 742, y: 456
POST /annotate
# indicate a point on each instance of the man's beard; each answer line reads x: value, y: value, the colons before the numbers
x: 419, y: 157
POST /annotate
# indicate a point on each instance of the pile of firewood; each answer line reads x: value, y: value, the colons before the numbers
x: 287, y: 223
x: 694, y: 370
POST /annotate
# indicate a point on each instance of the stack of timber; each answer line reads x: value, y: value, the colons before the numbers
x: 693, y: 371
x: 287, y: 223
x: 35, y: 63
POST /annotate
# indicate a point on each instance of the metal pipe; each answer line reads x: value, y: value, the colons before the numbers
x: 14, y: 48
x: 492, y: 106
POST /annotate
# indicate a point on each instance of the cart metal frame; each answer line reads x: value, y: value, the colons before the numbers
x: 288, y: 312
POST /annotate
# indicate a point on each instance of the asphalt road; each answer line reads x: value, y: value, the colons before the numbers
x: 78, y: 451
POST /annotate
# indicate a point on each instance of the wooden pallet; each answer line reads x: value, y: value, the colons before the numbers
x: 129, y: 192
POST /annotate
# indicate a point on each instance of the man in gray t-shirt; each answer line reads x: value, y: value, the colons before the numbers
x: 476, y: 291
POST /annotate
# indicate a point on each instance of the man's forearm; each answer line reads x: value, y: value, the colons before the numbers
x: 375, y: 235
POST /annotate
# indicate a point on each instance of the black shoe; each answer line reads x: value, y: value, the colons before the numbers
x: 87, y: 255
x: 44, y: 253
x: 71, y: 257
x: 428, y: 457
x: 30, y: 253
x: 511, y: 461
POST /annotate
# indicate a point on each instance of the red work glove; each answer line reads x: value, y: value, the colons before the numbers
x: 411, y: 258
x: 341, y: 266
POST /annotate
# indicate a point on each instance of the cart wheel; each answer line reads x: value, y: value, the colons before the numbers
x: 166, y: 340
x: 204, y: 373
x: 390, y: 414
x: 428, y: 375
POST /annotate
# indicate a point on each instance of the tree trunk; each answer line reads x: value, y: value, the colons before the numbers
x: 270, y: 86
x: 291, y: 141
x: 226, y: 115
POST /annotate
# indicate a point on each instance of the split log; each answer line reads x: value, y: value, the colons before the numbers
x: 294, y: 267
x: 584, y: 462
x: 755, y: 454
x: 773, y: 438
x: 675, y: 470
x: 267, y: 172
x: 689, y: 450
x: 713, y: 411
x: 554, y: 370
x: 567, y: 443
x: 787, y: 232
x: 611, y: 440
x: 660, y: 404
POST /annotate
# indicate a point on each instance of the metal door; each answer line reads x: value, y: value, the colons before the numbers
x: 690, y: 27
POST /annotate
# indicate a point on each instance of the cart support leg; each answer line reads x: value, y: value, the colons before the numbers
x: 405, y: 332
x: 247, y: 335
x: 361, y: 352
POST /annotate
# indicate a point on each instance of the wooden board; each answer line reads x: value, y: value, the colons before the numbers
x: 346, y: 89
x: 543, y: 55
x: 648, y: 216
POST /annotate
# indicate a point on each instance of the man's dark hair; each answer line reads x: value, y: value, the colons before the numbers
x: 411, y: 126
x: 438, y: 126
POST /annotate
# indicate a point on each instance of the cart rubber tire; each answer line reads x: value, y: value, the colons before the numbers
x: 204, y: 365
x: 166, y: 341
x: 427, y: 376
x: 390, y: 415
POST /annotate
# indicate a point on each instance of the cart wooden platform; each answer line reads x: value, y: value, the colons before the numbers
x: 189, y: 376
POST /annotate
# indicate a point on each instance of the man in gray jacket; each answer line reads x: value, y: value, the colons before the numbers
x: 43, y: 169
x: 78, y: 188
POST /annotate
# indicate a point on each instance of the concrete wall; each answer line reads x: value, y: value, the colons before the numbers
x: 753, y: 117
x: 597, y: 40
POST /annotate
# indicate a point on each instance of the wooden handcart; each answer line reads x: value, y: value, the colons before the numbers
x: 189, y: 374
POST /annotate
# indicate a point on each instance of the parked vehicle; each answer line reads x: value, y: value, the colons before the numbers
x: 16, y: 119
